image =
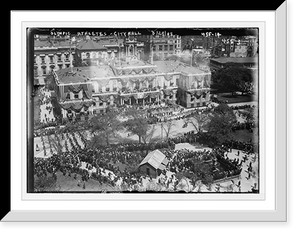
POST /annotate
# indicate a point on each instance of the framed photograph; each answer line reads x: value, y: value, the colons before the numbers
x: 153, y: 120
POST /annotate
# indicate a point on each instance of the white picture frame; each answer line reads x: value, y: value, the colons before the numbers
x: 269, y: 206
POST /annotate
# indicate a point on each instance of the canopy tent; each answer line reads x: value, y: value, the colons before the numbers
x: 156, y: 159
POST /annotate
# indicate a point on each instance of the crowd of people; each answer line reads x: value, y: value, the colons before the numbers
x: 46, y: 109
x: 118, y: 167
x: 245, y: 106
x: 229, y: 167
x: 247, y: 147
x: 166, y: 144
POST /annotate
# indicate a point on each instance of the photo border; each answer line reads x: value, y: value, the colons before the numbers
x: 279, y: 214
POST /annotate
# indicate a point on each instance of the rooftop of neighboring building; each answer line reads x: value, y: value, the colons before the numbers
x: 51, y: 44
x: 110, y: 41
x: 169, y: 66
x: 83, y: 74
x: 240, y: 60
x: 89, y: 45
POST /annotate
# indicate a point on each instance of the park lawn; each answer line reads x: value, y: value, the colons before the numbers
x: 236, y: 98
x: 245, y: 135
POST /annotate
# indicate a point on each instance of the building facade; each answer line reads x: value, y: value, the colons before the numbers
x: 165, y: 45
x: 83, y: 91
x: 52, y: 55
x: 108, y: 50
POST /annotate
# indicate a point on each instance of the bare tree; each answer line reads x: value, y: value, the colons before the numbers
x: 148, y: 137
x: 199, y: 121
x: 167, y: 126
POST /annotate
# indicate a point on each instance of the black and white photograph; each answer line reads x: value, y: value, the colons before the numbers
x: 151, y: 116
x: 143, y: 110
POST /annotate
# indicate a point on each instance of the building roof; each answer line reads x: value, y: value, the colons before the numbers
x: 169, y: 66
x: 89, y: 45
x: 240, y: 60
x: 156, y: 159
x: 134, y: 63
x: 110, y: 42
x: 83, y: 74
x: 42, y: 45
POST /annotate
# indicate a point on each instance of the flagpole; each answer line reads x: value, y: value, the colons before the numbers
x: 70, y: 55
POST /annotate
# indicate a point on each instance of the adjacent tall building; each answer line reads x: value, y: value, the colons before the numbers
x: 108, y: 50
x: 52, y: 54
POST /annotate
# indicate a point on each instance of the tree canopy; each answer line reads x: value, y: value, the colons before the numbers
x: 137, y: 124
x: 234, y: 78
x: 221, y: 122
x: 104, y: 127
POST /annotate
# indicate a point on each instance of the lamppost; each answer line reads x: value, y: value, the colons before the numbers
x: 192, y: 52
x: 161, y: 125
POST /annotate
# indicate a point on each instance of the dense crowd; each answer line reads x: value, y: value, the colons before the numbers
x: 227, y: 167
x: 166, y: 144
x: 247, y: 147
x: 243, y: 126
x: 118, y: 167
x: 245, y: 106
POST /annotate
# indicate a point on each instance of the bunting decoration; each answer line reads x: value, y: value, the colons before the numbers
x: 64, y: 90
x: 76, y: 106
x: 198, y: 93
x: 140, y: 95
x: 134, y: 71
x: 168, y: 92
x: 168, y: 77
x: 207, y: 81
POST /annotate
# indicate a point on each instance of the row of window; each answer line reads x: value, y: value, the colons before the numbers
x: 137, y: 87
x: 51, y: 58
x: 164, y: 48
x: 45, y: 71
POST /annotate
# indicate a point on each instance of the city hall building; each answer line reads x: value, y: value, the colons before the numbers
x: 92, y: 89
